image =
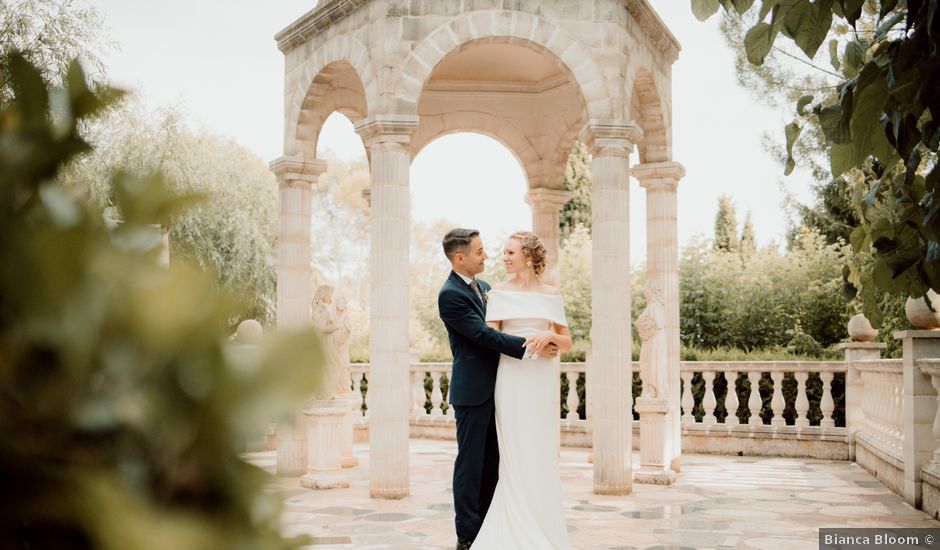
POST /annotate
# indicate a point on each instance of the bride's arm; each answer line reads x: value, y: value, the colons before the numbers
x: 495, y: 325
x: 562, y: 337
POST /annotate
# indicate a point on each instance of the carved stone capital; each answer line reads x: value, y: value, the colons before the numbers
x: 541, y: 198
x: 615, y: 138
x: 654, y: 176
x: 297, y: 170
x: 387, y: 129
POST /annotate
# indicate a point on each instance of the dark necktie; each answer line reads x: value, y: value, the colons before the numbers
x: 476, y: 290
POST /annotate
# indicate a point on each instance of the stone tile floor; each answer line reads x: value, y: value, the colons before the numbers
x: 717, y: 502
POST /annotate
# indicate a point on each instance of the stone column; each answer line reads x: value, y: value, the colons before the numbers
x: 387, y: 137
x: 295, y: 178
x: 546, y: 205
x: 610, y: 144
x: 660, y: 179
x: 920, y: 402
x: 854, y: 387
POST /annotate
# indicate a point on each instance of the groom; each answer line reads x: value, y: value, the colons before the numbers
x: 476, y: 349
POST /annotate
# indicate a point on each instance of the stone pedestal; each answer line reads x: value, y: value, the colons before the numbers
x: 387, y: 138
x: 655, y: 442
x: 854, y: 387
x: 920, y: 404
x: 610, y: 144
x: 351, y: 402
x: 661, y: 180
x: 324, y: 445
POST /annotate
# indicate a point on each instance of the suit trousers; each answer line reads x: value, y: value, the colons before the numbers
x: 476, y: 469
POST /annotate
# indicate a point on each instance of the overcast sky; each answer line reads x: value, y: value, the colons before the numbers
x: 220, y: 61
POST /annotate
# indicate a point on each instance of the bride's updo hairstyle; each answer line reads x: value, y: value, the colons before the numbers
x: 533, y: 249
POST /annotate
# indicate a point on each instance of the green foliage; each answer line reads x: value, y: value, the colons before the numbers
x: 577, y: 211
x: 882, y: 121
x: 748, y: 240
x: 575, y: 269
x: 732, y: 301
x: 122, y: 407
x: 49, y: 34
x: 232, y: 232
x: 726, y: 225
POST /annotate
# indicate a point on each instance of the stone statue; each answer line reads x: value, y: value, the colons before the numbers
x: 340, y: 342
x: 651, y: 326
x: 324, y: 320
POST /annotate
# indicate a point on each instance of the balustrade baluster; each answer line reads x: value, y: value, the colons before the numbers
x: 731, y: 400
x: 450, y: 409
x: 896, y: 412
x: 688, y: 400
x: 417, y: 394
x: 572, y: 400
x: 357, y: 389
x: 777, y: 403
x: 709, y: 402
x: 436, y: 397
x: 827, y: 404
x: 802, y: 401
x: 754, y: 402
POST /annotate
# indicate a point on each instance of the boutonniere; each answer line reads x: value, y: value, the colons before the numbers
x: 486, y: 295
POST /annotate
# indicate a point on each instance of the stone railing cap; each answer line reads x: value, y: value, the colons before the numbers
x: 862, y: 345
x: 901, y: 334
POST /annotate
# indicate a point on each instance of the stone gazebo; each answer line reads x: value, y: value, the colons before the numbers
x: 535, y: 75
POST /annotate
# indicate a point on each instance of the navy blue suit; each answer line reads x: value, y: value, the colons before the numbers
x: 476, y: 349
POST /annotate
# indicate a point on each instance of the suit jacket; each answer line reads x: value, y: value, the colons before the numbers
x: 475, y: 346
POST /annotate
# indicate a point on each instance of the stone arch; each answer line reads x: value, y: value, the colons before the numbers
x: 338, y: 76
x: 508, y: 27
x: 486, y: 124
x: 647, y: 109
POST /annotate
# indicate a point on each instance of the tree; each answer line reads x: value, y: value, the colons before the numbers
x: 577, y: 212
x: 232, y: 233
x: 748, y: 241
x: 124, y: 410
x: 50, y: 34
x: 726, y: 226
x: 882, y: 123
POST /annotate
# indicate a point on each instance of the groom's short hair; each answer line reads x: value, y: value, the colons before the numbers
x: 458, y: 240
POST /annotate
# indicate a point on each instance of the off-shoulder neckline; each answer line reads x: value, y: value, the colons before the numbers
x: 526, y: 292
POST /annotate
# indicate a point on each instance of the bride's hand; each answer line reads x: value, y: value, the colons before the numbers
x: 539, y: 341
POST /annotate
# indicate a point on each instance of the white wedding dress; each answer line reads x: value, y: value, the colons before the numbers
x: 526, y: 512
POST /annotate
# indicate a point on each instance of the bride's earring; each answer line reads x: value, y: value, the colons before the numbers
x: 529, y: 264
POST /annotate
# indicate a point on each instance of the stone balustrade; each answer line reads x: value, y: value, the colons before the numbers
x: 707, y: 426
x: 882, y: 402
x: 793, y: 412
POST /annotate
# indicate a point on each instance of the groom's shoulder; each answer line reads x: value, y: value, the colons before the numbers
x: 448, y: 287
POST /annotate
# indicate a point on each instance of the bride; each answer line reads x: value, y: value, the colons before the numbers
x: 526, y: 510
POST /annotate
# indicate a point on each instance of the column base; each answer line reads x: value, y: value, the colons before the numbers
x: 655, y: 477
x: 315, y: 481
x: 613, y: 491
x: 390, y: 494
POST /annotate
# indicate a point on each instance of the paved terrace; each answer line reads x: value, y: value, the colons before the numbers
x: 718, y: 502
